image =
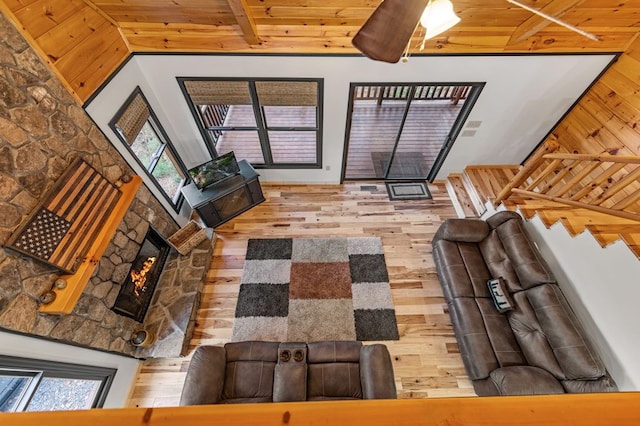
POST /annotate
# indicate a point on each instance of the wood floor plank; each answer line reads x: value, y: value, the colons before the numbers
x: 426, y: 359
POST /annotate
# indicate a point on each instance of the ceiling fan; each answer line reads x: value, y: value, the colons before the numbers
x: 385, y: 36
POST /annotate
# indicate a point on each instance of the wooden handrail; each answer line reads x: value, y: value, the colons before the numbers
x: 523, y: 174
x: 567, y: 178
x: 628, y: 159
x: 578, y: 204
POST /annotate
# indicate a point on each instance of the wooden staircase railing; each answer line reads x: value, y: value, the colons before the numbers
x: 602, y: 183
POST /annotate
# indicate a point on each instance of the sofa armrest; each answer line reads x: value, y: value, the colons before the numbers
x: 462, y: 230
x: 205, y: 376
x: 524, y: 380
x: 499, y: 218
x: 603, y: 384
x: 376, y: 373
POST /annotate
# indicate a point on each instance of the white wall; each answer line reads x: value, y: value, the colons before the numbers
x: 30, y: 347
x: 602, y: 287
x: 524, y: 97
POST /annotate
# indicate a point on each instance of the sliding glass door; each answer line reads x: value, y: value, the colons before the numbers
x: 401, y: 131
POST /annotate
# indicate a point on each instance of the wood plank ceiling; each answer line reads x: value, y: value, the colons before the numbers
x: 85, y: 40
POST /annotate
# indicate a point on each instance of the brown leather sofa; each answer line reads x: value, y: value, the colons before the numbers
x: 246, y: 372
x: 535, y: 347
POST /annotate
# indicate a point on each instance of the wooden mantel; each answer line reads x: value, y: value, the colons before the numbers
x: 550, y: 410
x: 67, y: 298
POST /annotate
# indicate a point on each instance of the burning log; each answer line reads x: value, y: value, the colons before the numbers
x: 139, y: 278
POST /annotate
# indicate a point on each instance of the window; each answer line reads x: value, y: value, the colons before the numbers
x: 139, y: 129
x: 35, y: 385
x: 270, y: 123
x: 404, y: 131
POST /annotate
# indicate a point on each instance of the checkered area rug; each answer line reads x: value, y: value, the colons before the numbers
x: 311, y: 289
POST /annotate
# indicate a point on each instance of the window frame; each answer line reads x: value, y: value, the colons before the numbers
x: 166, y: 145
x: 41, y: 369
x: 262, y: 128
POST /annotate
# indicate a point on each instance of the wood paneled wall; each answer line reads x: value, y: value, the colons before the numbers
x: 79, y: 43
x: 85, y: 40
x: 607, y: 119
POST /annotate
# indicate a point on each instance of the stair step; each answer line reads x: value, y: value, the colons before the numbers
x: 632, y: 241
x: 604, y: 238
x: 489, y: 180
x: 478, y: 203
x: 462, y: 195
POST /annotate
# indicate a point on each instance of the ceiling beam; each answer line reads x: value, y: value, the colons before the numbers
x: 535, y: 23
x: 247, y: 24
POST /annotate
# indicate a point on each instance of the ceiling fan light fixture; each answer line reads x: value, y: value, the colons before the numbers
x: 438, y: 17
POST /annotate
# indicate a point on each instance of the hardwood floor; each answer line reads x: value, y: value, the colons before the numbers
x: 425, y: 359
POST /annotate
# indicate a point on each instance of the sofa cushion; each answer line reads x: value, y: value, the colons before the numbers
x: 525, y: 380
x: 249, y: 371
x: 334, y: 351
x: 336, y: 380
x: 461, y: 269
x: 333, y: 370
x: 484, y: 337
x: 550, y: 336
x: 526, y: 261
x: 498, y: 261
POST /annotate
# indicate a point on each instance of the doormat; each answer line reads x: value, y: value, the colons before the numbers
x: 408, y: 191
x: 311, y: 289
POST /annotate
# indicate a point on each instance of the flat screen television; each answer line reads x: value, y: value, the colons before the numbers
x: 215, y: 171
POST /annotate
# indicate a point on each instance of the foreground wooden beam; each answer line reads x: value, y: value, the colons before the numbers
x: 243, y: 15
x: 549, y: 410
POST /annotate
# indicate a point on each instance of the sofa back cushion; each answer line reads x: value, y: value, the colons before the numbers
x: 484, y: 336
x: 461, y: 269
x: 511, y: 254
x: 550, y: 335
x: 249, y: 371
x: 463, y: 230
x: 333, y: 370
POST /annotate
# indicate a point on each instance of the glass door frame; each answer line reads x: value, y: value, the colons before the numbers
x: 473, y: 95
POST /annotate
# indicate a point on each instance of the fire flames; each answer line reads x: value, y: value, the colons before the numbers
x: 139, y: 278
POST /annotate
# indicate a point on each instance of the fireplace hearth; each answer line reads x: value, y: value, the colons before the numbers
x: 137, y: 291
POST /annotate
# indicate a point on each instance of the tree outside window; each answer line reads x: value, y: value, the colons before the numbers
x: 36, y: 385
x: 138, y: 127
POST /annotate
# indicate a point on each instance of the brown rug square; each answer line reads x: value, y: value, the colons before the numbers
x: 309, y: 280
x: 310, y: 289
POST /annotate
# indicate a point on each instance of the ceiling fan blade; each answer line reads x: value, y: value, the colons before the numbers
x: 386, y: 33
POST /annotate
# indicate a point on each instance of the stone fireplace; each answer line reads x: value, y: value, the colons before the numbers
x: 43, y: 130
x: 135, y: 293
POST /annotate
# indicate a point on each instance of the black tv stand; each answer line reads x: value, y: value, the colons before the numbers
x: 223, y: 201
